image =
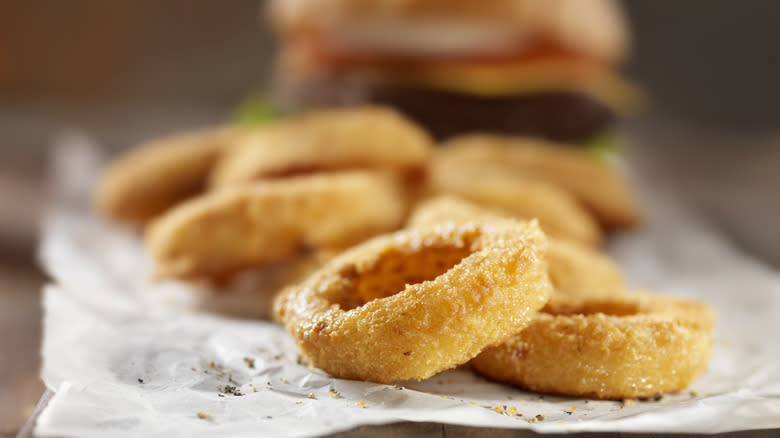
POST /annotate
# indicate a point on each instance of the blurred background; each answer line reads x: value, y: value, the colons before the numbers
x: 122, y: 72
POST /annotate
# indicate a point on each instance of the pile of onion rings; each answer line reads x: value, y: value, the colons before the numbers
x: 313, y: 204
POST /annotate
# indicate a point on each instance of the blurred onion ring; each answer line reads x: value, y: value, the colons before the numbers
x: 365, y: 137
x: 226, y: 231
x: 624, y: 346
x: 411, y: 304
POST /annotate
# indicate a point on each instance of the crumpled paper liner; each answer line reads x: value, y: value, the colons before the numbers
x: 130, y: 358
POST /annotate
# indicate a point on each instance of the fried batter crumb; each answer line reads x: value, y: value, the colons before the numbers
x: 333, y: 393
x: 361, y: 403
x: 203, y: 415
x: 211, y: 364
x: 283, y: 379
x: 311, y: 396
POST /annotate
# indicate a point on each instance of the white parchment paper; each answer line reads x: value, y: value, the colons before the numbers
x: 130, y: 358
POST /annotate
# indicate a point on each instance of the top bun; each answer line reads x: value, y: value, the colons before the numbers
x: 593, y: 27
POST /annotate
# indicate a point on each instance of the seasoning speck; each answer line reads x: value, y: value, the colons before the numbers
x: 540, y: 417
x: 203, y: 415
x: 250, y: 362
x: 694, y: 394
x: 140, y: 380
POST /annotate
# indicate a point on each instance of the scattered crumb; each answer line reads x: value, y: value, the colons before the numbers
x: 140, y: 380
x: 220, y: 395
x: 211, y: 364
x: 203, y: 415
x: 250, y: 362
x: 230, y: 389
x: 473, y: 402
x: 498, y: 410
x: 361, y: 403
x: 628, y: 402
x: 540, y: 417
x: 694, y: 394
x: 283, y: 379
x: 254, y: 389
x: 573, y: 408
x: 193, y: 369
x: 219, y: 373
x: 333, y: 393
x: 311, y: 395
x: 268, y: 383
x: 511, y: 411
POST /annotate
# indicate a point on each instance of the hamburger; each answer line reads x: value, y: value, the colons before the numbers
x: 542, y: 68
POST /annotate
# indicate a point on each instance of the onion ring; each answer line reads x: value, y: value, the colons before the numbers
x: 411, y: 304
x: 594, y: 183
x: 368, y: 137
x: 624, y: 346
x: 559, y: 213
x: 225, y: 231
x: 573, y: 268
x: 156, y: 175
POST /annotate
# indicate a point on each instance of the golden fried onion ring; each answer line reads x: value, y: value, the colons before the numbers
x: 623, y: 346
x: 156, y: 175
x: 224, y: 231
x: 411, y: 304
x: 367, y: 137
x: 573, y: 268
x: 598, y: 185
